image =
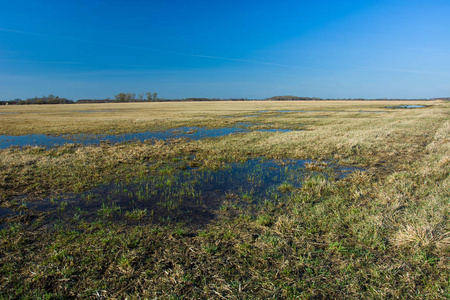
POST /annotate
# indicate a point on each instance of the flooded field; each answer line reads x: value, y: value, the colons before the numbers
x: 239, y: 199
x: 407, y: 106
x: 180, y: 193
x: 194, y: 133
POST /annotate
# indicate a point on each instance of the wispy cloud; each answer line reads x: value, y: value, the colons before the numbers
x: 150, y: 49
x: 42, y: 61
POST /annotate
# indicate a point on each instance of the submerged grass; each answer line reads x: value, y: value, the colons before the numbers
x: 381, y: 232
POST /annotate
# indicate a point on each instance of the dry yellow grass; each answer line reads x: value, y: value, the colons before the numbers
x: 126, y: 117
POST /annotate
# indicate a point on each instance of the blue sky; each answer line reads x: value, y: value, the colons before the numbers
x: 225, y: 49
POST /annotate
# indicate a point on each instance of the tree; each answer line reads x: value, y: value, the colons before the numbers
x: 125, y: 97
x: 141, y: 96
x: 149, y: 96
x: 121, y: 97
x: 155, y: 96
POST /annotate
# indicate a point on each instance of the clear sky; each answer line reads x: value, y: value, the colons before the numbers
x: 225, y: 49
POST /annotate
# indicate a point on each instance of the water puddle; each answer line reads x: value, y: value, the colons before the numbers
x: 406, y: 106
x: 190, y: 196
x: 194, y: 133
x: 4, y: 211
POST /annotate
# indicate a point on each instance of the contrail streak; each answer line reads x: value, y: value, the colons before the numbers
x: 148, y: 49
x: 42, y: 61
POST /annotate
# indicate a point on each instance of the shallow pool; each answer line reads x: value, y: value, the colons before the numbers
x: 194, y: 133
x: 190, y: 195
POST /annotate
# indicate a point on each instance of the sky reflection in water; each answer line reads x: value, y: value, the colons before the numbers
x: 194, y: 133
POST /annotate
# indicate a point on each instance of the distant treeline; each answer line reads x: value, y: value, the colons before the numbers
x: 50, y: 99
x: 442, y: 98
x: 153, y: 97
x: 81, y: 101
x: 126, y: 99
x: 284, y: 98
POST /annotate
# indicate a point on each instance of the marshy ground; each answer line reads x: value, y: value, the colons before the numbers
x: 314, y: 199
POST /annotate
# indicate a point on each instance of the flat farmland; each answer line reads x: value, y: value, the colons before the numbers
x: 226, y: 199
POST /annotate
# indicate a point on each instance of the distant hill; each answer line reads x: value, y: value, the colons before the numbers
x: 289, y: 97
x: 81, y: 101
x: 441, y: 98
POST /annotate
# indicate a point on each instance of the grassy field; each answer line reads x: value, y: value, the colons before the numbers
x: 380, y: 232
x: 134, y: 117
